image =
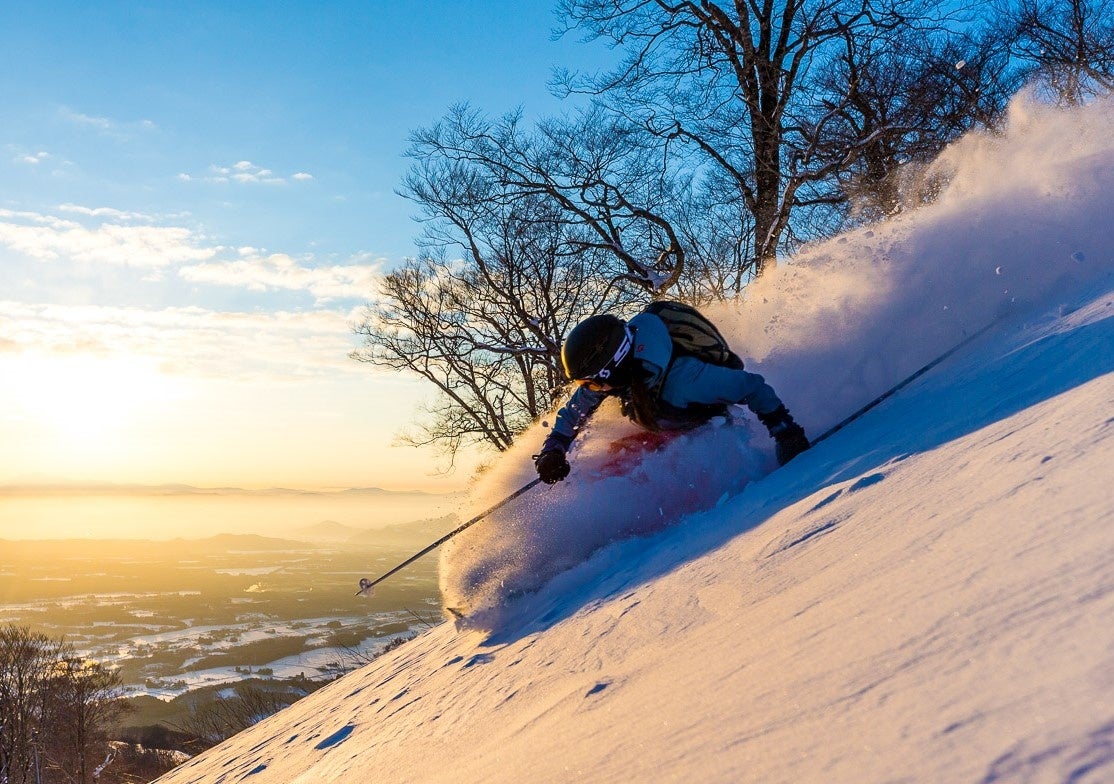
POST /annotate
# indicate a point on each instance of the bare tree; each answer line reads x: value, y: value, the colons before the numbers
x: 718, y: 233
x: 738, y: 87
x: 55, y: 709
x: 27, y: 661
x: 83, y: 703
x: 505, y: 272
x: 1068, y: 44
x: 225, y: 716
x: 730, y: 131
x: 592, y: 168
x: 910, y: 95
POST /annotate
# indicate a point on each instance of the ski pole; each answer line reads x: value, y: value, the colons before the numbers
x: 901, y: 385
x: 366, y: 585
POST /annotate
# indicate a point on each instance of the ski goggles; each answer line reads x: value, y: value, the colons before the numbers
x: 594, y: 385
x: 600, y: 382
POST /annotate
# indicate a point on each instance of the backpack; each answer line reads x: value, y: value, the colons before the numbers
x: 693, y: 334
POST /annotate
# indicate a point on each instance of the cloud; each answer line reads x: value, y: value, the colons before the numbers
x: 32, y: 158
x: 245, y: 173
x: 48, y: 237
x: 188, y: 341
x: 105, y: 212
x: 106, y: 126
x: 78, y: 118
x: 279, y: 271
x: 108, y: 236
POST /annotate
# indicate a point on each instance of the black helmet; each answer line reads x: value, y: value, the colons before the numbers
x: 595, y: 347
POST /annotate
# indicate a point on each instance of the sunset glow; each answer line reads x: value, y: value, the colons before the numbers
x: 192, y: 220
x: 90, y: 403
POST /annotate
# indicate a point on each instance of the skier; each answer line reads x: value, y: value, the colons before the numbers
x: 661, y: 385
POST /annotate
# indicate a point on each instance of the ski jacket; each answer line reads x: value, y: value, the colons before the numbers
x: 688, y: 391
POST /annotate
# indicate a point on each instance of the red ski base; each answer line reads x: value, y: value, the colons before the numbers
x: 627, y: 452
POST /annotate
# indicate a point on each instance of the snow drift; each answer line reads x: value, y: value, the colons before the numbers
x: 926, y: 596
x: 1025, y: 214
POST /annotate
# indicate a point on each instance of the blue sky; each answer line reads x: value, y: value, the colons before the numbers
x: 126, y: 97
x: 195, y: 201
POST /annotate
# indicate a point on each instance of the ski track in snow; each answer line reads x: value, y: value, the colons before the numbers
x: 927, y: 596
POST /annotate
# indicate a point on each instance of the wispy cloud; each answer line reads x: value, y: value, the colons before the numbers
x: 189, y: 341
x: 258, y: 272
x: 106, y: 212
x: 48, y: 237
x: 244, y: 173
x: 105, y: 235
x: 79, y: 118
x: 106, y: 126
x: 31, y: 158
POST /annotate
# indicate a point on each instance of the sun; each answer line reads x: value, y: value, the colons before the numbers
x: 85, y: 399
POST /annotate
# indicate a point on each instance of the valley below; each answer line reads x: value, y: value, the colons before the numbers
x: 186, y: 619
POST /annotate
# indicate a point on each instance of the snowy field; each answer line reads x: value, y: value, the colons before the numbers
x: 211, y: 611
x: 318, y: 660
x: 926, y: 596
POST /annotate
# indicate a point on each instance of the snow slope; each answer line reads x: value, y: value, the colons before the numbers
x: 926, y: 596
x: 1027, y: 214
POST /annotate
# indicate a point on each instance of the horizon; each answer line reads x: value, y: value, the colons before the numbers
x: 100, y: 511
x: 318, y: 534
x: 76, y: 486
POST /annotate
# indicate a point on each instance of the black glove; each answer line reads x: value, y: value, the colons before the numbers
x: 789, y: 443
x: 551, y: 464
x: 789, y: 437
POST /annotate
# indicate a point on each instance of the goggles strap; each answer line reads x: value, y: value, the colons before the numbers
x: 620, y: 355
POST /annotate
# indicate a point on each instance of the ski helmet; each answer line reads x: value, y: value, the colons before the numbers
x: 595, y: 347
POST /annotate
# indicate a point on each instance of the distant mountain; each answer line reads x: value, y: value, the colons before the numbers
x: 399, y: 534
x: 241, y: 542
x: 55, y: 549
x: 63, y: 487
x: 77, y: 487
x: 417, y: 531
x: 395, y: 493
x: 327, y: 531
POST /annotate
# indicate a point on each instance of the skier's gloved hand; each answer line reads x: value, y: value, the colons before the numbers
x: 790, y: 443
x: 551, y: 464
x: 789, y: 437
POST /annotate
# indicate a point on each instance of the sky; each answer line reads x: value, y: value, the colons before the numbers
x: 923, y: 596
x: 196, y: 201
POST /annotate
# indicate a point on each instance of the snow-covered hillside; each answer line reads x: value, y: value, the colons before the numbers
x: 925, y: 596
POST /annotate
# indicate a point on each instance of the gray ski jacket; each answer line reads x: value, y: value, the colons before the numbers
x: 685, y: 386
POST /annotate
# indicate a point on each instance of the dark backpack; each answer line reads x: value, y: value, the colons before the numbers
x: 693, y: 334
